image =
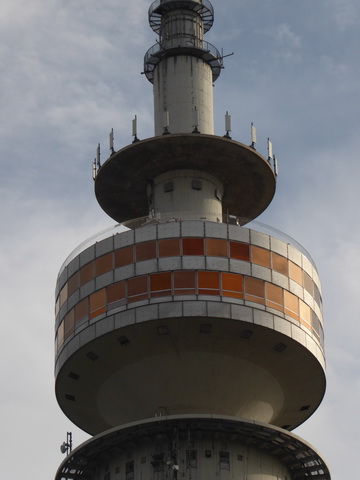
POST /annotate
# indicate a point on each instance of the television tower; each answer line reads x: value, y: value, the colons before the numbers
x: 188, y: 345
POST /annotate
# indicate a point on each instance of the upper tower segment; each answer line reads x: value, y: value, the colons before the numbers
x: 185, y: 171
x: 182, y: 66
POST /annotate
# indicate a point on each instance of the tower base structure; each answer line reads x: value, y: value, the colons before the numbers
x: 197, y: 447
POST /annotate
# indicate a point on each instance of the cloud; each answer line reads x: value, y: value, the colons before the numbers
x: 346, y: 13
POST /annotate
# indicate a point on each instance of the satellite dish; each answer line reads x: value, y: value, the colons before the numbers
x: 67, y: 446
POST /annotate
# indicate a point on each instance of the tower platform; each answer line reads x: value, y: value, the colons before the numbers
x: 247, y: 177
x: 189, y: 317
x: 197, y: 447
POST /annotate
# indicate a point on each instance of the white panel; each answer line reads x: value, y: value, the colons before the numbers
x: 143, y: 234
x: 240, y: 234
x: 263, y: 318
x: 238, y: 266
x: 169, y: 229
x: 149, y: 312
x: 260, y: 239
x: 261, y: 272
x: 278, y: 246
x: 124, y: 239
x: 239, y: 312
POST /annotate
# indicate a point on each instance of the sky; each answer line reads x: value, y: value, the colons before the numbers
x: 71, y: 71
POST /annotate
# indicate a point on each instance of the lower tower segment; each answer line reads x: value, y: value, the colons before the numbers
x: 188, y: 344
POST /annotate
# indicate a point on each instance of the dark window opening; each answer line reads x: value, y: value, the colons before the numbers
x: 224, y: 460
x: 129, y: 470
x: 196, y: 184
x: 169, y: 187
x: 191, y: 458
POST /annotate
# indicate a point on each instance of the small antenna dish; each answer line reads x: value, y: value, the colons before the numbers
x: 66, y: 447
x: 270, y: 149
x: 253, y: 135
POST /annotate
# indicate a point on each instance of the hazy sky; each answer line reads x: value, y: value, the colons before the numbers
x: 70, y: 71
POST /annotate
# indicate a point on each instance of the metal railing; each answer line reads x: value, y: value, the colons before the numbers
x: 204, y: 8
x: 206, y: 51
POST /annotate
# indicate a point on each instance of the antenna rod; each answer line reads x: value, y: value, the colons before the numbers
x: 94, y: 169
x: 270, y: 149
x: 253, y: 135
x: 98, y: 156
x: 276, y: 170
x: 195, y: 121
x: 134, y: 129
x: 227, y: 125
x: 111, y: 140
x: 166, y: 122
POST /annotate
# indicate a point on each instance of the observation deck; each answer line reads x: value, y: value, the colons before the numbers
x: 160, y: 7
x: 221, y: 305
x: 248, y: 178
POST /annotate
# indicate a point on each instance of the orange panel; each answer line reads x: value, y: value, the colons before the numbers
x: 145, y: 251
x: 82, y: 309
x: 137, y: 286
x: 254, y: 290
x: 291, y: 304
x: 184, y: 279
x: 60, y: 335
x: 274, y: 296
x: 97, y: 300
x: 280, y: 264
x: 305, y: 314
x: 97, y: 312
x: 216, y: 247
x: 295, y: 273
x: 308, y: 284
x: 73, y: 283
x: 232, y: 285
x: 69, y: 323
x: 160, y: 281
x: 232, y: 282
x: 137, y: 298
x: 208, y: 279
x: 185, y: 291
x: 208, y: 283
x: 63, y: 295
x: 123, y: 256
x: 115, y: 292
x: 169, y: 247
x: 193, y: 246
x: 260, y: 256
x: 184, y: 283
x: 240, y: 251
x: 104, y: 264
x: 87, y: 273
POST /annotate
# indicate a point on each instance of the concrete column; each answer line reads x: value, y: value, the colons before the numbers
x: 187, y: 194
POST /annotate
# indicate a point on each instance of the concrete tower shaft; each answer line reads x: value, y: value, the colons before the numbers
x: 182, y: 67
